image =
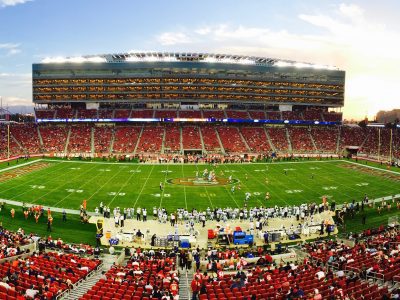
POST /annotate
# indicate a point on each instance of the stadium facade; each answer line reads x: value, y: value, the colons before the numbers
x: 179, y: 80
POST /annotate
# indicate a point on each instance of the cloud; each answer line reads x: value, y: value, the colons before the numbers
x: 366, y: 49
x: 16, y: 89
x: 173, y: 38
x: 4, y: 3
x: 16, y: 101
x: 10, y: 48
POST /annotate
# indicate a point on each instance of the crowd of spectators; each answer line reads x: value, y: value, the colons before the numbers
x: 147, y: 274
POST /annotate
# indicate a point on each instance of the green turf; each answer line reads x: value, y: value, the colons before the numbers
x: 14, y: 163
x: 373, y: 219
x: 65, y: 184
x: 72, y: 231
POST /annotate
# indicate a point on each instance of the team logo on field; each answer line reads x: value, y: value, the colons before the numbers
x: 193, y: 181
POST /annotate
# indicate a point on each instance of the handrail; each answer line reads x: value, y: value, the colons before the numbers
x: 76, y: 284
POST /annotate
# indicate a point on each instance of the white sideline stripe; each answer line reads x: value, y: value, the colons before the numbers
x: 77, y: 212
x: 55, y: 209
x: 21, y: 165
x: 371, y: 167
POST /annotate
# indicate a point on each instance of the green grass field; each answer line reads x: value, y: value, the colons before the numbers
x: 65, y: 184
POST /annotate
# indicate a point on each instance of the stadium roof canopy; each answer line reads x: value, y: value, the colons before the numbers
x: 184, y: 57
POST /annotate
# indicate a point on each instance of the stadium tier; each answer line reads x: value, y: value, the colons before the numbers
x: 120, y: 87
x: 176, y: 138
x: 197, y: 176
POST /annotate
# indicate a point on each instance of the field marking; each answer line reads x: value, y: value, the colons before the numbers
x: 21, y: 165
x: 294, y: 178
x: 371, y: 167
x: 112, y: 177
x: 77, y: 212
x: 129, y: 178
x: 166, y: 172
x: 50, y: 191
x: 230, y: 193
x: 151, y: 171
x: 45, y: 175
x: 341, y: 171
x: 184, y: 189
x: 209, y: 199
x: 265, y: 185
x: 79, y: 188
x: 248, y: 190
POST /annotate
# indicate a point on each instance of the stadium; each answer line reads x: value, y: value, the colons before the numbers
x: 196, y: 175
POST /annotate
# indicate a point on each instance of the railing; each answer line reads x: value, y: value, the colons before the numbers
x: 78, y: 283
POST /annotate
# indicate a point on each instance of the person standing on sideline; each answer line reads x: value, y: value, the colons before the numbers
x: 363, y: 218
x: 64, y: 216
x: 49, y: 224
x: 144, y: 212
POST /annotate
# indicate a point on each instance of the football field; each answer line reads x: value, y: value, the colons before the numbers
x: 64, y: 184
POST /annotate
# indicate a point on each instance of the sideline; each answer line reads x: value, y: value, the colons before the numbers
x: 91, y: 213
x: 22, y: 165
x: 55, y: 209
x: 371, y: 167
x: 193, y: 164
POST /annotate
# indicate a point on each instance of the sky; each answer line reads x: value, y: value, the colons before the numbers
x: 360, y: 37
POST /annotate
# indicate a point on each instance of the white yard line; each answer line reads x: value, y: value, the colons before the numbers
x: 111, y: 178
x: 184, y: 189
x: 248, y: 190
x: 124, y: 185
x: 266, y: 186
x: 82, y: 185
x: 209, y: 198
x: 164, y: 185
x: 41, y: 197
x: 151, y: 171
x: 21, y: 165
x: 26, y: 182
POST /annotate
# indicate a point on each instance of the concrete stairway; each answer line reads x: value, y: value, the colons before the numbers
x: 203, y: 148
x: 67, y: 141
x: 85, y: 285
x: 92, y: 140
x: 40, y: 138
x: 244, y: 140
x: 338, y: 140
x: 219, y: 141
x: 185, y: 278
x: 163, y: 141
x: 18, y: 143
x: 312, y: 139
x: 138, y: 140
x: 271, y: 144
x: 288, y: 140
x: 181, y: 139
x: 112, y: 141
